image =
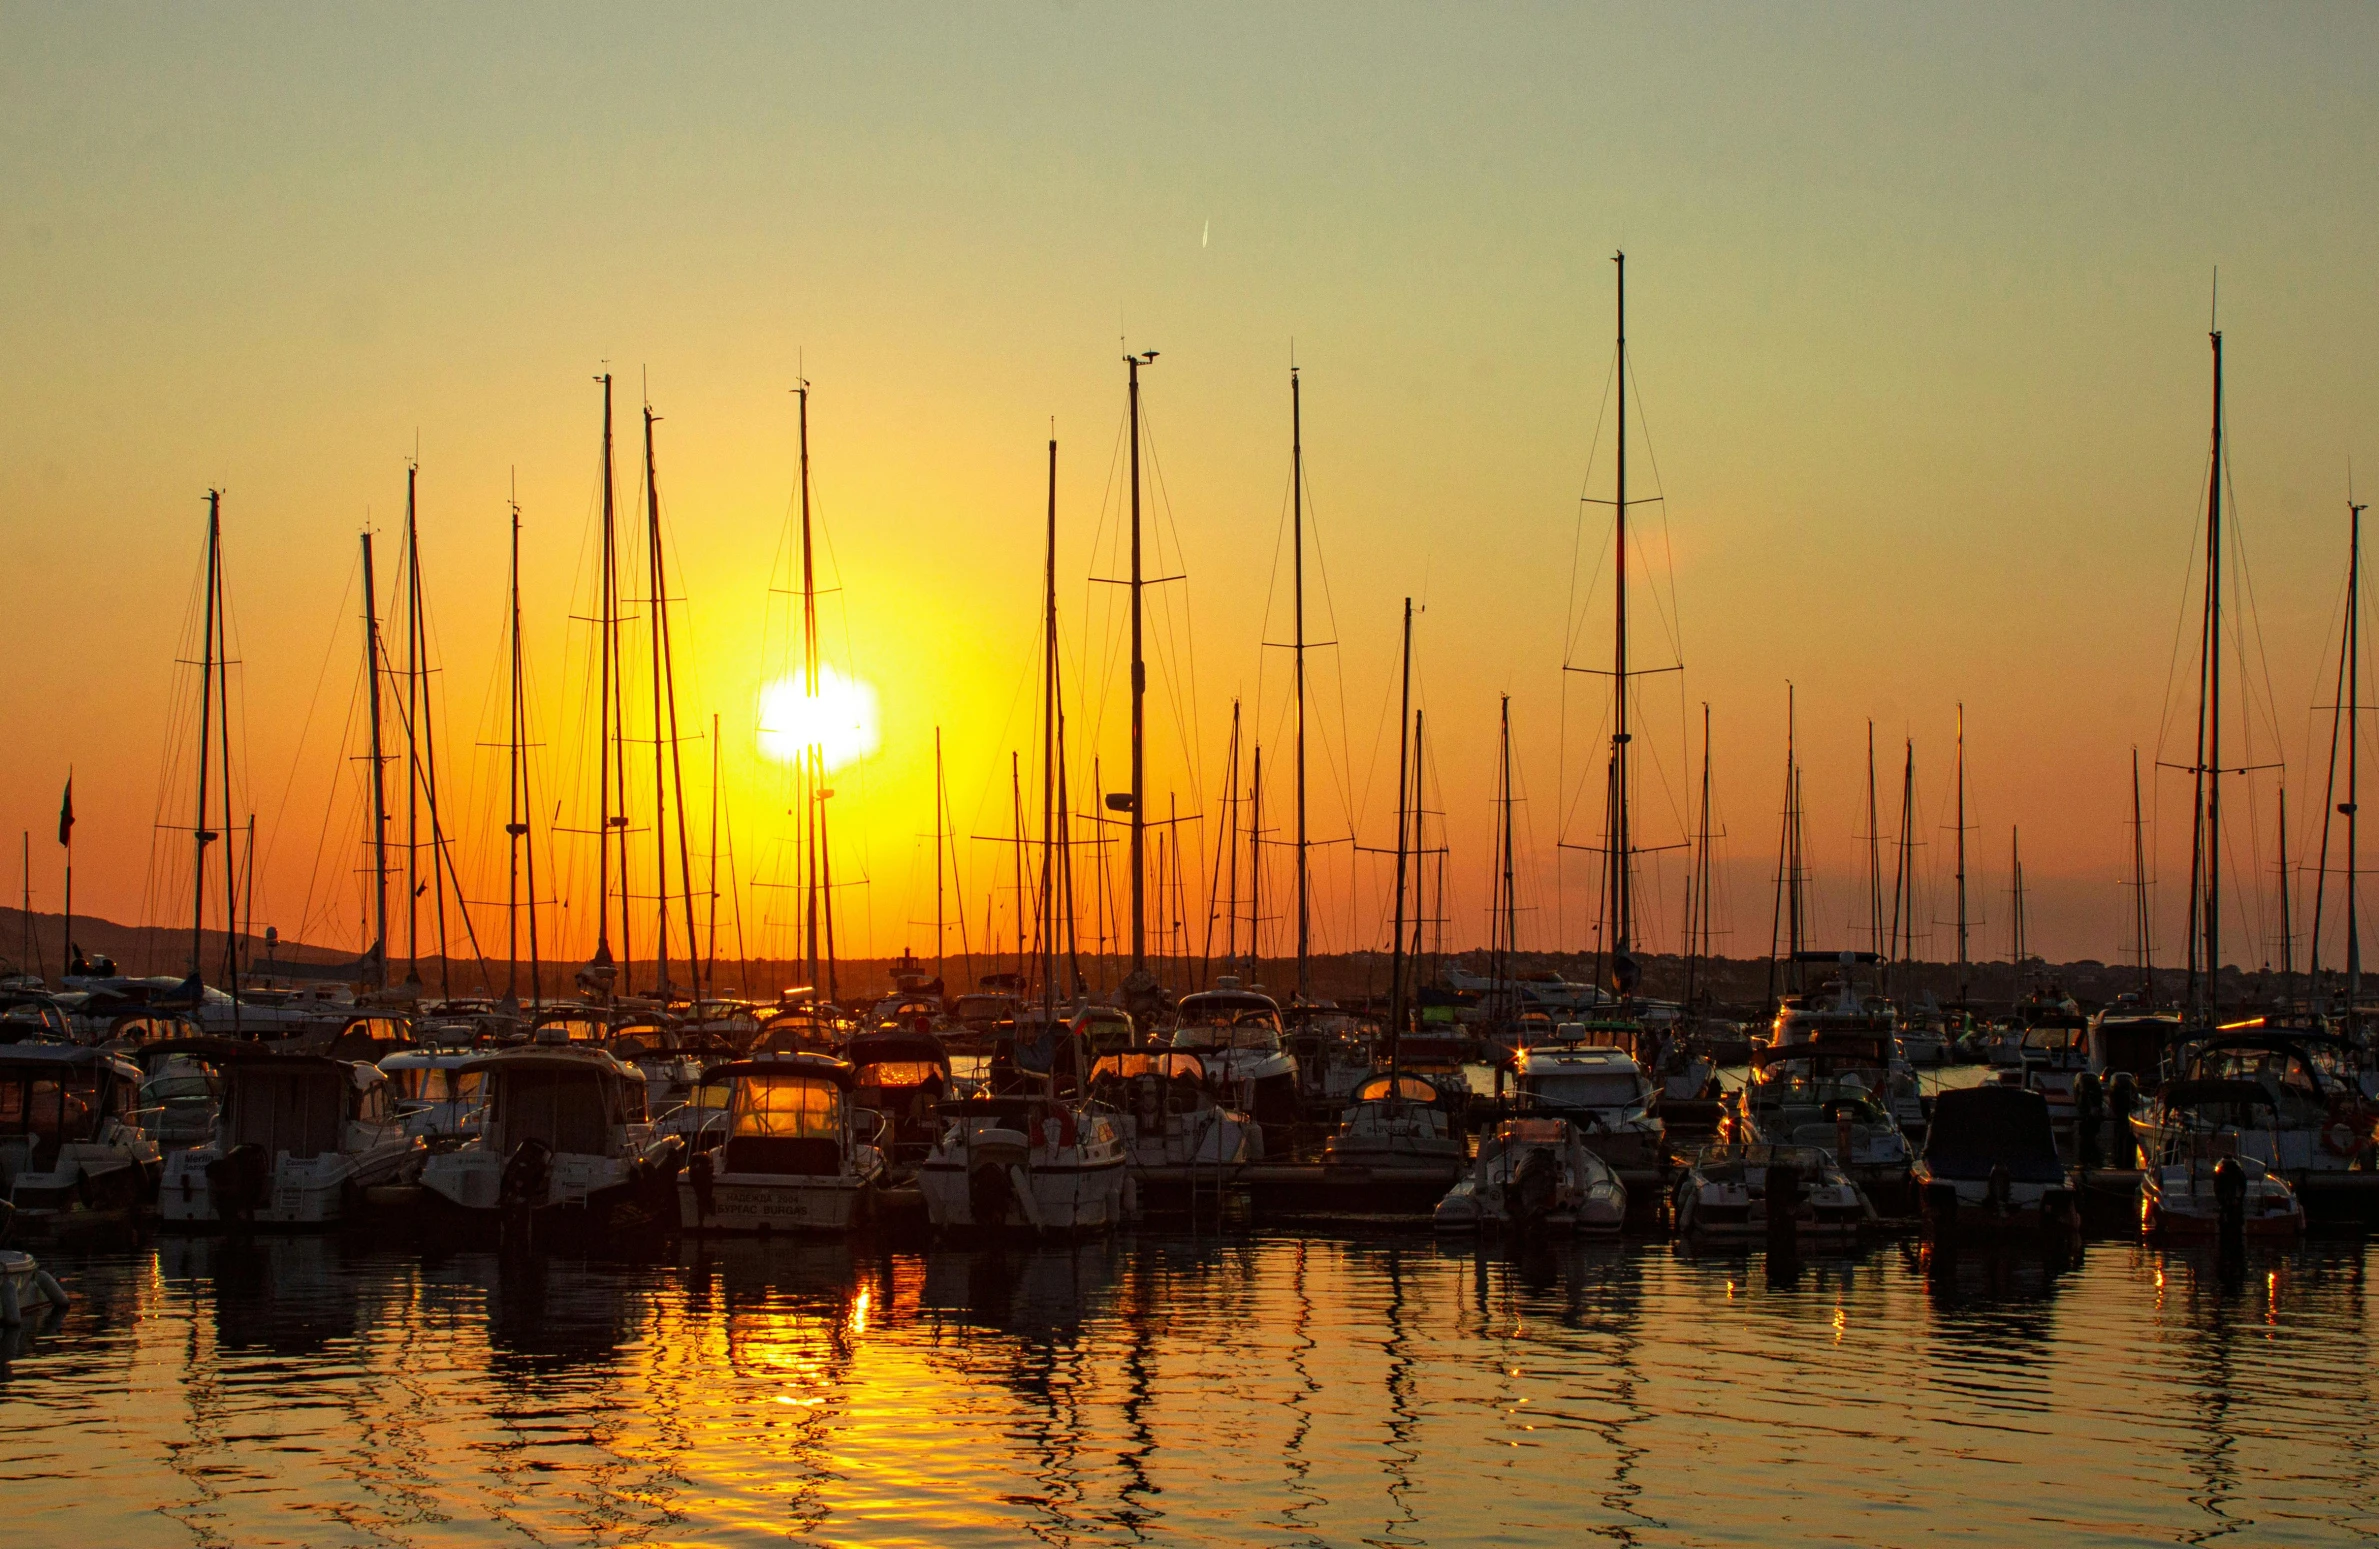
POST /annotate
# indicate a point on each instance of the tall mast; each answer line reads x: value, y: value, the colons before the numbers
x: 1622, y: 869
x: 940, y: 957
x: 710, y: 975
x: 2211, y: 759
x: 206, y: 716
x: 812, y: 760
x: 654, y: 630
x: 1961, y: 855
x: 371, y: 660
x: 2353, y: 755
x: 410, y: 593
x: 1507, y: 904
x: 1792, y: 822
x: 1229, y: 859
x: 2139, y: 891
x: 2287, y: 932
x: 1297, y: 533
x: 606, y: 649
x: 1874, y: 854
x: 1404, y: 722
x: 1255, y: 867
x: 1139, y: 693
x: 1023, y: 869
x: 1697, y: 895
x: 1048, y: 909
x: 2015, y: 890
x: 515, y: 827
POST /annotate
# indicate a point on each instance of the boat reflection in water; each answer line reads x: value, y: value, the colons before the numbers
x: 1193, y: 1388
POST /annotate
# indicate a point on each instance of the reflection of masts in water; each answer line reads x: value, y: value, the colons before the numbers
x: 2346, y: 720
x: 376, y: 966
x: 669, y: 774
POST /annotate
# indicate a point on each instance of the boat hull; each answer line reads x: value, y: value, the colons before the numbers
x: 747, y: 1203
x: 311, y: 1193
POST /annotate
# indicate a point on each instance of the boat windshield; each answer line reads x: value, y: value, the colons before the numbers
x: 897, y: 1073
x: 1586, y: 1091
x: 2053, y: 1040
x: 47, y: 1108
x: 781, y: 1109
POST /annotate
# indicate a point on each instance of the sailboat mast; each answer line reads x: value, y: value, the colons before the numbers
x: 514, y: 828
x: 1622, y: 869
x: 1230, y: 848
x: 206, y: 718
x: 2212, y: 760
x: 2015, y: 873
x: 1874, y: 855
x: 656, y: 631
x: 710, y: 976
x: 1507, y: 904
x: 605, y: 650
x: 1297, y: 535
x: 371, y: 661
x: 1255, y: 867
x: 2139, y: 890
x: 1139, y: 693
x: 2353, y: 756
x: 410, y: 588
x: 1404, y: 722
x: 941, y: 965
x: 813, y: 808
x: 1048, y: 908
x: 1961, y: 855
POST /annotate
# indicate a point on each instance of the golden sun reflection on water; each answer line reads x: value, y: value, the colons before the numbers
x: 1205, y: 1391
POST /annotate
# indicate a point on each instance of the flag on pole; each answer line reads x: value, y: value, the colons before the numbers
x: 66, y: 814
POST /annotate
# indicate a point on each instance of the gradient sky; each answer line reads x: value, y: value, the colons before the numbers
x: 1918, y: 306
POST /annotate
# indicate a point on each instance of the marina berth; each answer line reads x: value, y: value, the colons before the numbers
x: 563, y: 1141
x: 792, y: 1152
x: 1535, y: 1175
x: 1398, y: 1137
x: 1990, y: 1166
x: 73, y: 1153
x: 297, y: 1140
x: 1178, y: 1137
x: 1025, y: 1163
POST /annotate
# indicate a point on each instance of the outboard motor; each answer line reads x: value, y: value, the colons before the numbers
x: 528, y: 1173
x: 2122, y: 1100
x: 1535, y: 1184
x: 239, y: 1181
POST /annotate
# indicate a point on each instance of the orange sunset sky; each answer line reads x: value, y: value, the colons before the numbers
x: 1918, y: 305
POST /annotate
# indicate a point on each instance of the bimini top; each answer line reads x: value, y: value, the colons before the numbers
x: 784, y: 1067
x: 1977, y: 1128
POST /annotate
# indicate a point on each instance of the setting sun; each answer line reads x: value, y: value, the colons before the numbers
x: 840, y: 722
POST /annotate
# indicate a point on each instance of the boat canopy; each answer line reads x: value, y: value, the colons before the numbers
x: 1975, y: 1129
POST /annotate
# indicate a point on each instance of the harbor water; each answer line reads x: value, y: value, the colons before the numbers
x: 1343, y: 1388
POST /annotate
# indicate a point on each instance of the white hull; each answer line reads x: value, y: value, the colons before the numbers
x: 312, y: 1192
x: 774, y: 1202
x: 1061, y: 1197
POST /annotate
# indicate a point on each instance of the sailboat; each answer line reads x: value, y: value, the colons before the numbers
x: 1040, y: 1156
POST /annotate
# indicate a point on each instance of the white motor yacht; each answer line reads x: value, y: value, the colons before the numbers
x: 1990, y: 1165
x: 297, y: 1139
x: 72, y: 1150
x: 2185, y: 1190
x: 1398, y: 1135
x: 436, y: 1098
x: 1604, y: 1094
x: 1179, y: 1139
x: 1035, y: 1163
x: 794, y: 1152
x: 563, y: 1139
x: 1237, y: 1034
x: 1532, y: 1175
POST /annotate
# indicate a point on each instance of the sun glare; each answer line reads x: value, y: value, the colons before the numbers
x: 840, y: 722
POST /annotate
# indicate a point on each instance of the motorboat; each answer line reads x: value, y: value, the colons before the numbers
x: 1333, y: 1054
x: 436, y: 1098
x: 794, y: 1153
x: 2127, y: 1038
x: 1924, y: 1040
x: 2055, y: 1049
x: 2320, y: 1132
x: 1237, y: 1034
x: 904, y: 1076
x: 2186, y: 1187
x: 563, y: 1139
x: 1990, y: 1165
x: 179, y: 1096
x: 1106, y: 1029
x: 27, y: 1291
x: 1740, y: 1191
x: 1824, y: 1092
x: 672, y: 1063
x: 372, y: 1037
x: 1177, y: 1135
x: 72, y: 1150
x: 298, y: 1138
x: 1840, y: 1005
x: 803, y: 1028
x: 1535, y: 1175
x: 734, y: 1023
x: 34, y: 1018
x: 1029, y: 1162
x: 1604, y: 1094
x: 1398, y: 1137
